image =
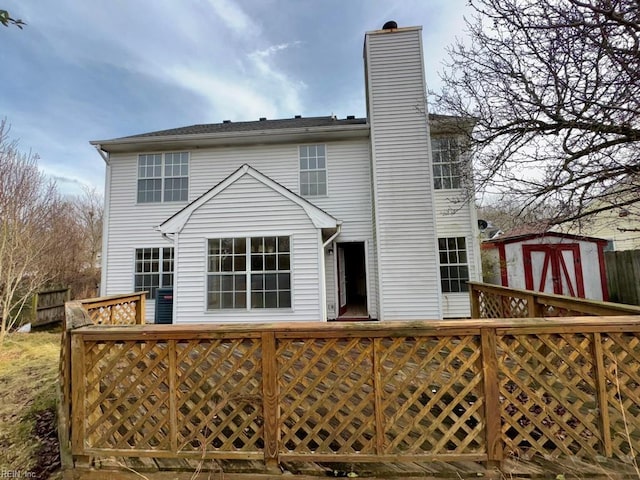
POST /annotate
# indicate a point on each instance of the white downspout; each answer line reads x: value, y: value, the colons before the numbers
x: 323, y: 273
x: 105, y: 221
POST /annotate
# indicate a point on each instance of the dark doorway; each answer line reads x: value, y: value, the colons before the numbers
x: 352, y: 281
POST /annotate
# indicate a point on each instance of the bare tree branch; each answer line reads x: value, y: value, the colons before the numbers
x: 554, y: 87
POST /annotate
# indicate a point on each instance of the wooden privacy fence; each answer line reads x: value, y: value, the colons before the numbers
x: 623, y: 276
x: 126, y: 309
x: 476, y: 390
x: 493, y: 301
x: 48, y: 306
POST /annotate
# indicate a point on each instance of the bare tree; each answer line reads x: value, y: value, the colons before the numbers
x: 27, y: 203
x: 6, y: 20
x: 555, y: 88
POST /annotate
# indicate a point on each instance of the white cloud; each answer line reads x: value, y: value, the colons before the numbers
x: 234, y: 17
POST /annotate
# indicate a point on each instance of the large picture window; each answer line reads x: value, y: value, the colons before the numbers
x: 153, y: 269
x: 248, y: 273
x: 163, y: 177
x: 454, y: 268
x: 313, y: 171
x: 446, y: 163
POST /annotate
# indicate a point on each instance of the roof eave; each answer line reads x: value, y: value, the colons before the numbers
x: 199, y: 140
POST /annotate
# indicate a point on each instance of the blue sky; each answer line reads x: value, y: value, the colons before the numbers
x: 86, y: 70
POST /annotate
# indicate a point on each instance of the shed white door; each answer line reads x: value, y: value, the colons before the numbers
x: 554, y: 268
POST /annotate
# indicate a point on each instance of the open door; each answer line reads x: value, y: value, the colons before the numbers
x: 554, y: 268
x: 342, y: 282
x: 352, y: 281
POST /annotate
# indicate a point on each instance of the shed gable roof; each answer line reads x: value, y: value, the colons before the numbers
x: 318, y: 217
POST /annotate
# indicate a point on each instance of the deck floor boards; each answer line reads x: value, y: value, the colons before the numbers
x: 514, y: 468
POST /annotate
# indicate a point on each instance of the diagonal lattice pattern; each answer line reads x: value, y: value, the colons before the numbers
x: 219, y: 395
x: 548, y: 395
x: 432, y: 398
x: 500, y: 306
x: 326, y: 396
x: 622, y: 372
x: 116, y: 314
x: 127, y: 401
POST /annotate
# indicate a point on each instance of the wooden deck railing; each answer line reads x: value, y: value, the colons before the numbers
x: 392, y: 391
x: 126, y: 309
x: 493, y: 301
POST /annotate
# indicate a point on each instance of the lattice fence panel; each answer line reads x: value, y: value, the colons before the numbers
x: 490, y: 305
x: 326, y: 396
x: 432, y: 399
x: 548, y: 393
x: 127, y: 395
x: 219, y: 395
x: 117, y: 314
x: 622, y: 366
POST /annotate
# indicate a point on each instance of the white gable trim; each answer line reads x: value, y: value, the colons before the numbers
x: 318, y: 217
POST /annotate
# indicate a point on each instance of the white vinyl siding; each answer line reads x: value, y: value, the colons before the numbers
x: 457, y: 218
x: 405, y: 221
x: 248, y: 209
x: 131, y: 225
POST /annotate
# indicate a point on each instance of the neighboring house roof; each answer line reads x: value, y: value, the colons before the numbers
x: 531, y: 228
x: 318, y: 217
x: 512, y: 238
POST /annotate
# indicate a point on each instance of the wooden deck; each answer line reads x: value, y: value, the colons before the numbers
x: 127, y: 468
x: 495, y: 398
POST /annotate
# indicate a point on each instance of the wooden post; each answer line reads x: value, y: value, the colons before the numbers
x: 173, y: 411
x: 270, y: 407
x: 534, y: 309
x: 377, y: 395
x: 601, y: 392
x: 140, y: 309
x: 491, y: 397
x: 475, y: 302
x: 34, y: 308
x: 78, y: 378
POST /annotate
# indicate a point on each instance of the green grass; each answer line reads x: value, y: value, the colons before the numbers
x: 28, y: 387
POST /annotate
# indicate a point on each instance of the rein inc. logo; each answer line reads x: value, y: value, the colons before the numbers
x: 4, y: 473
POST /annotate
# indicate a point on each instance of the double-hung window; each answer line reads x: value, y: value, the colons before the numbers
x: 454, y: 268
x: 446, y: 162
x: 153, y: 269
x: 248, y: 273
x: 163, y: 177
x: 313, y: 170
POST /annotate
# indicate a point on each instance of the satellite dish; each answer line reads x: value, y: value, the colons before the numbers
x: 482, y: 224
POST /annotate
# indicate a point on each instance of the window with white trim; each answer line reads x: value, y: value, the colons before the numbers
x: 446, y: 162
x: 153, y: 269
x: 163, y: 177
x: 454, y: 267
x: 313, y: 170
x: 248, y: 273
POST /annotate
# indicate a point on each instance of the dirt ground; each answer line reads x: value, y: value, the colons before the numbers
x: 28, y: 395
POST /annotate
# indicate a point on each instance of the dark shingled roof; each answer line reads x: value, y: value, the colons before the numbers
x: 230, y: 127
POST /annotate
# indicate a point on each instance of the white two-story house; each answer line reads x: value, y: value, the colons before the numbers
x: 300, y: 219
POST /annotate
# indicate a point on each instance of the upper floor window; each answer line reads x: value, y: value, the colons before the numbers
x: 446, y: 162
x: 313, y: 171
x: 454, y: 267
x: 153, y: 269
x: 163, y: 177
